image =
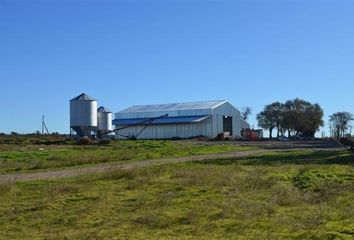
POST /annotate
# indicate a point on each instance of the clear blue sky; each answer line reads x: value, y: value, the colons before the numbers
x: 140, y: 52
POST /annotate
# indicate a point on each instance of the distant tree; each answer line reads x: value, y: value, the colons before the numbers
x: 300, y: 117
x: 287, y: 121
x: 297, y: 117
x: 247, y: 111
x: 14, y: 133
x: 269, y: 118
x: 264, y: 121
x: 341, y: 122
x: 312, y: 120
x: 277, y: 109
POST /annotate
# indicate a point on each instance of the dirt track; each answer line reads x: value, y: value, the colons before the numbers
x: 101, y: 168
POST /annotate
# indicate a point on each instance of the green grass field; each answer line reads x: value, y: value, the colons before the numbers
x: 27, y: 157
x: 294, y: 195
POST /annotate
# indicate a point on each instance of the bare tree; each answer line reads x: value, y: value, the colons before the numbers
x: 341, y: 122
x: 246, y: 112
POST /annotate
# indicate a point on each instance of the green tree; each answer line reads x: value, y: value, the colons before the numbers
x: 264, y: 121
x: 297, y: 117
x: 302, y: 118
x: 312, y: 120
x: 269, y: 118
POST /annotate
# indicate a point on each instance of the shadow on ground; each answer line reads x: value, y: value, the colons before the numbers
x: 304, y: 145
x: 291, y: 157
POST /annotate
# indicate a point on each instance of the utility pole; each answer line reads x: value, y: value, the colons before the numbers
x: 350, y: 130
x: 44, y: 127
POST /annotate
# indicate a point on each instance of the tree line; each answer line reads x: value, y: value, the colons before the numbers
x: 298, y: 117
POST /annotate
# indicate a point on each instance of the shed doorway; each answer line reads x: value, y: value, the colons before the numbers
x: 227, y: 124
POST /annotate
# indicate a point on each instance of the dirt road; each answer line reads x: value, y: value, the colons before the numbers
x: 101, y: 168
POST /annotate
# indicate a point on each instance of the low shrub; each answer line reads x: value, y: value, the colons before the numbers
x: 84, y: 141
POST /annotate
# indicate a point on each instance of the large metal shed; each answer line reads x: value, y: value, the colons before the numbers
x: 184, y: 120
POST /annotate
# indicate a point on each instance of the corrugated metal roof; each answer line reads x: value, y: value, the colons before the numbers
x: 173, y: 106
x: 83, y: 97
x: 103, y: 109
x: 166, y: 120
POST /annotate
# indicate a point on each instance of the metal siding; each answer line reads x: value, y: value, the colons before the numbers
x: 171, y: 130
x: 227, y: 109
x: 83, y: 113
x: 209, y: 128
x: 104, y: 121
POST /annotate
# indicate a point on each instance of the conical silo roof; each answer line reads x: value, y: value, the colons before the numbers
x: 83, y: 97
x: 103, y: 109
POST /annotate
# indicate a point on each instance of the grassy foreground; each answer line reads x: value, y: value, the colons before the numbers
x: 28, y: 157
x: 267, y: 197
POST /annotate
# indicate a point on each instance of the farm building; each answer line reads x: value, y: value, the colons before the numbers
x: 184, y: 120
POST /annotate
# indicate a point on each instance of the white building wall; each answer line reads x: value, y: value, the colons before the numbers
x: 165, y: 131
x: 226, y: 109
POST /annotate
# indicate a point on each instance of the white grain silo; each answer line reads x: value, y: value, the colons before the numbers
x: 83, y: 115
x: 104, y: 121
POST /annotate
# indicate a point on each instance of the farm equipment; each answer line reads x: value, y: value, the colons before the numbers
x: 347, y: 143
x: 146, y: 123
x: 252, y: 135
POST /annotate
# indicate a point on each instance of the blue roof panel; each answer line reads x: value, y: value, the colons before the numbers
x: 166, y: 120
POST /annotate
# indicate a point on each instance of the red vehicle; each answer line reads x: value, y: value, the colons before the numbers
x: 252, y: 135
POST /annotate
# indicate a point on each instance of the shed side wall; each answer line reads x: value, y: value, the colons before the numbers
x: 167, y: 131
